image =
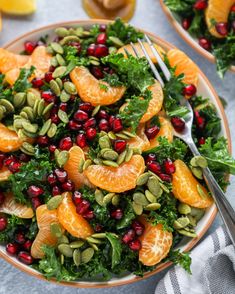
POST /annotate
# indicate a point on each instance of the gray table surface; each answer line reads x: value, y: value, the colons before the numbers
x: 148, y: 16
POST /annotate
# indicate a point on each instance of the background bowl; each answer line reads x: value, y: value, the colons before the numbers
x: 204, y: 88
x: 193, y: 42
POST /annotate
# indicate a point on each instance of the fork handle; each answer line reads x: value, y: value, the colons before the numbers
x: 227, y: 212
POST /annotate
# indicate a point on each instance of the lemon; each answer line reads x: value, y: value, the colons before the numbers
x: 18, y: 7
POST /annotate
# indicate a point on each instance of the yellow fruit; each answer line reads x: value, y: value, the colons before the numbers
x: 18, y: 7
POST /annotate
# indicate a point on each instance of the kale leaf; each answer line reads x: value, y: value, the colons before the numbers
x: 116, y: 248
x: 13, y: 223
x: 22, y: 83
x: 180, y: 258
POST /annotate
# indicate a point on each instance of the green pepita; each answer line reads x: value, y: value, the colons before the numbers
x: 122, y: 136
x: 87, y: 255
x: 192, y: 220
x: 142, y: 179
x: 181, y: 223
x: 110, y: 155
x: 79, y: 31
x: 59, y: 82
x: 104, y: 142
x: 52, y: 130
x: 8, y: 105
x: 116, y: 41
x: 112, y: 50
x: 108, y: 198
x: 62, y: 158
x: 197, y: 172
x: 19, y: 99
x: 77, y: 257
x: 99, y: 197
x: 64, y: 96
x: 138, y: 209
x: 40, y: 107
x: 137, y: 150
x: 45, y: 128
x: 70, y: 88
x: 54, y: 202
x: 68, y: 39
x: 153, y: 186
x: 199, y: 161
x: 56, y: 230
x: 80, y: 165
x: 110, y: 163
x: 63, y: 116
x: 87, y: 163
x: 93, y: 240
x: 57, y: 47
x: 47, y: 108
x: 60, y: 59
x: 32, y: 128
x: 66, y: 250
x: 17, y: 123
x: 49, y: 50
x: 63, y: 239
x: 152, y: 206
x: 197, y: 213
x: 94, y: 246
x: 164, y: 188
x: 59, y: 71
x: 31, y: 98
x: 61, y: 32
x: 29, y: 111
x: 76, y: 244
x: 99, y: 235
x: 28, y: 134
x: 54, y: 61
x: 111, y: 135
x: 94, y: 62
x: 129, y: 134
x: 187, y: 233
x: 115, y: 200
x: 95, y: 110
x: 27, y: 146
x: 129, y: 154
x: 55, y: 87
x: 151, y: 198
x: 201, y: 192
x: 184, y: 208
x: 121, y: 157
x: 35, y: 108
x: 140, y: 198
x: 62, y: 259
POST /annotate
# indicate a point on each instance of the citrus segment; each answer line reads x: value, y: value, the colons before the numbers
x: 74, y: 223
x: 116, y: 179
x: 183, y: 65
x: 18, y: 7
x: 10, y: 60
x: 90, y: 89
x: 9, y: 140
x: 140, y: 141
x: 4, y: 174
x: 187, y: 189
x: 10, y: 206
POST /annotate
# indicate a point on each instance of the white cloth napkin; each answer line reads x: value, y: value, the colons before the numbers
x: 213, y: 269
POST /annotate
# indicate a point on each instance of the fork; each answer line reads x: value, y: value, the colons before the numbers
x: 227, y: 212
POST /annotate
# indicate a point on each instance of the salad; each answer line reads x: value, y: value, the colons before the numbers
x: 212, y: 22
x: 93, y: 183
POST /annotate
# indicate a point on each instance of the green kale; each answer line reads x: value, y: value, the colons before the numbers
x: 13, y: 223
x: 128, y: 213
x: 32, y: 230
x: 116, y: 248
x: 113, y: 80
x: 197, y: 26
x: 22, y: 83
x: 180, y: 258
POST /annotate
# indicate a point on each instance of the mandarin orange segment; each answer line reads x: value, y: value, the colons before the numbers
x: 217, y: 11
x: 9, y: 140
x: 186, y: 188
x: 10, y: 206
x: 140, y: 141
x: 116, y: 179
x: 74, y: 223
x: 90, y: 89
x: 183, y: 65
x: 4, y: 174
x: 156, y: 244
x: 44, y: 218
x: 10, y: 60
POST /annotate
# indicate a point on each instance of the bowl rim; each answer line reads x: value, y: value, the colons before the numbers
x: 189, y: 40
x: 193, y: 242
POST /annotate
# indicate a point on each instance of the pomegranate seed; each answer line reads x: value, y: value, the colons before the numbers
x: 165, y: 177
x: 117, y: 125
x: 43, y: 141
x: 88, y: 215
x: 111, y: 119
x: 189, y: 90
x: 97, y: 72
x: 2, y: 197
x: 76, y: 45
x: 14, y: 167
x: 61, y: 175
x: 202, y: 141
x: 12, y: 248
x: 3, y: 223
x: 101, y: 51
x: 103, y: 28
x: 129, y: 236
x: 68, y: 186
x: 222, y: 28
x: 55, y: 119
x: 52, y: 180
x: 83, y: 207
x: 52, y: 148
x: 24, y: 157
x: 86, y: 106
x: 27, y: 245
x: 51, y: 68
x: 56, y: 191
x: 2, y: 158
x: 135, y: 245
x: 103, y: 114
x: 74, y: 126
x: 91, y: 133
x: 201, y: 122
x: 104, y: 125
x: 81, y: 116
x: 117, y: 214
x: 54, y: 110
x: 37, y: 82
x: 150, y: 157
x: 81, y: 140
x: 90, y: 123
x: 200, y: 5
x: 138, y: 227
x: 34, y: 191
x: 152, y: 132
x: 77, y: 198
x: 186, y: 23
x: 119, y: 145
x: 9, y: 160
x: 91, y: 50
x: 36, y: 202
x: 63, y: 106
x: 29, y: 47
x: 25, y: 257
x: 48, y: 76
x: 178, y: 124
x: 20, y: 238
x: 154, y: 167
x: 101, y: 38
x: 205, y: 43
x: 66, y: 143
x: 48, y: 96
x: 169, y: 166
x: 98, y: 228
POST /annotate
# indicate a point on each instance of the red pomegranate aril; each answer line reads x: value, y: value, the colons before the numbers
x: 154, y: 167
x: 74, y: 126
x: 52, y: 148
x: 12, y: 248
x: 36, y: 202
x: 55, y: 118
x: 25, y: 257
x: 68, y: 186
x: 37, y: 82
x: 52, y: 68
x: 3, y: 223
x: 138, y: 227
x: 63, y: 106
x: 117, y: 125
x: 98, y: 228
x: 2, y: 197
x: 119, y: 145
x: 178, y: 124
x: 83, y: 207
x: 101, y: 38
x: 186, y: 23
x: 20, y: 238
x: 202, y: 141
x: 81, y: 116
x: 86, y: 106
x: 111, y: 119
x: 97, y: 72
x: 34, y: 191
x: 169, y: 166
x: 61, y: 175
x: 90, y: 134
x: 200, y: 5
x: 81, y: 140
x: 150, y: 157
x: 8, y: 160
x: 189, y: 90
x: 2, y: 158
x: 77, y: 198
x: 91, y: 50
x: 52, y: 179
x: 102, y: 28
x: 165, y: 178
x: 14, y: 167
x: 27, y: 245
x: 88, y: 215
x: 104, y: 125
x: 117, y: 214
x: 66, y: 143
x: 48, y: 96
x: 232, y: 8
x: 29, y: 47
x: 205, y: 43
x: 201, y: 122
x: 103, y: 114
x: 24, y: 157
x: 222, y: 28
x: 101, y: 51
x: 90, y: 123
x: 135, y: 245
x: 48, y: 76
x: 129, y: 236
x: 152, y: 132
x: 54, y: 110
x: 56, y: 191
x: 43, y: 141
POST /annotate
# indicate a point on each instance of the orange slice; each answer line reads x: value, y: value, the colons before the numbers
x: 183, y: 65
x: 45, y: 218
x: 9, y: 140
x: 74, y: 223
x: 140, y: 141
x: 10, y: 206
x: 186, y: 188
x: 116, y: 179
x: 156, y: 244
x: 90, y: 89
x: 217, y: 11
x: 4, y: 174
x: 10, y: 60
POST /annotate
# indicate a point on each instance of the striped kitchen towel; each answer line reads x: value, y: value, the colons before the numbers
x: 213, y: 269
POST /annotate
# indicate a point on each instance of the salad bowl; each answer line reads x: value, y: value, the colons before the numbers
x: 204, y: 89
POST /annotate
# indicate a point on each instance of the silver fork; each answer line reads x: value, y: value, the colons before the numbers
x: 227, y: 212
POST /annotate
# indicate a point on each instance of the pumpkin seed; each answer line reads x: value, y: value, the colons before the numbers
x: 32, y: 128
x: 93, y: 240
x: 129, y: 134
x: 57, y: 47
x: 59, y: 82
x: 122, y: 136
x: 95, y: 110
x: 70, y: 88
x: 197, y: 213
x: 164, y: 188
x: 107, y: 198
x: 197, y: 172
x: 76, y: 244
x: 31, y: 98
x: 151, y: 198
x: 55, y: 87
x: 56, y: 230
x: 80, y: 165
x: 110, y: 163
x: 192, y: 220
x: 24, y: 150
x: 142, y: 179
x: 140, y: 198
x: 116, y: 41
x: 110, y: 155
x: 62, y: 259
x: 87, y: 163
x: 104, y: 142
x: 184, y: 208
x: 2, y: 111
x: 8, y: 105
x: 94, y: 246
x: 201, y: 192
x: 64, y: 96
x: 152, y: 206
x: 71, y: 31
x: 45, y: 128
x: 29, y: 111
x: 68, y: 39
x: 66, y: 250
x: 63, y: 239
x: 138, y: 209
x: 87, y: 255
x: 21, y: 135
x: 102, y: 151
x: 129, y: 155
x: 61, y: 32
x: 19, y: 99
x: 54, y: 61
x: 47, y: 108
x: 112, y: 50
x: 115, y: 200
x: 60, y: 59
x: 137, y: 151
x: 121, y: 157
x: 181, y: 223
x: 97, y: 161
x: 17, y: 123
x: 94, y: 62
x: 63, y: 116
x: 111, y: 135
x: 35, y: 107
x: 54, y: 202
x: 199, y: 161
x: 59, y: 71
x: 40, y: 108
x: 76, y: 257
x: 153, y: 186
x: 52, y: 130
x: 99, y: 197
x: 62, y: 158
x: 79, y: 31
x: 27, y: 146
x: 186, y: 233
x: 28, y: 134
x: 99, y: 235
